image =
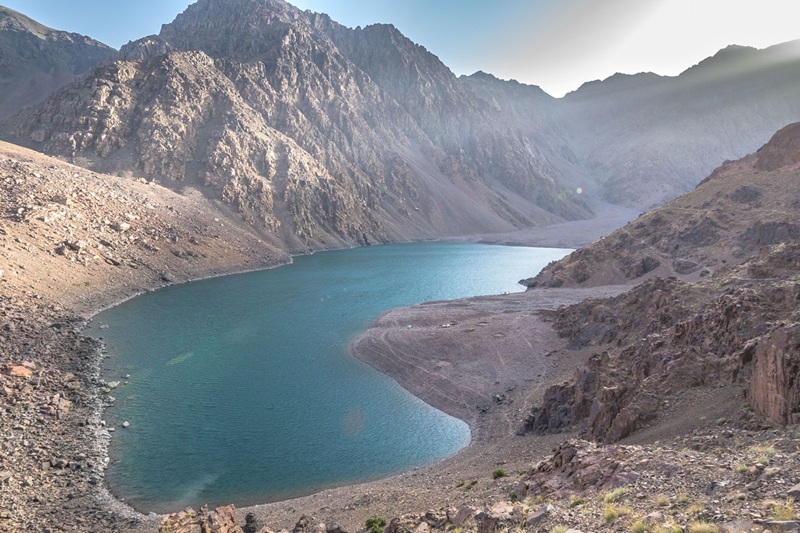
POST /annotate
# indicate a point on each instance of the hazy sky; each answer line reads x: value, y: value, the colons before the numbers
x: 556, y: 44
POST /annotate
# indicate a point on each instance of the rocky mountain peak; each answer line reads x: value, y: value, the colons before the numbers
x: 35, y: 60
x: 144, y: 48
x: 236, y: 29
x: 782, y: 151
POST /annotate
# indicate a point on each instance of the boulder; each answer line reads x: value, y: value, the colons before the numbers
x: 19, y: 371
x: 463, y: 514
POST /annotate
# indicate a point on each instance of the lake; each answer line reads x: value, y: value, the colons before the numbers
x: 242, y: 389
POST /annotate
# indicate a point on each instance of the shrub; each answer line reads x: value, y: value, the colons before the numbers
x: 497, y: 474
x: 611, y: 512
x: 576, y: 502
x: 783, y: 511
x: 375, y: 524
x: 615, y: 495
x: 703, y: 527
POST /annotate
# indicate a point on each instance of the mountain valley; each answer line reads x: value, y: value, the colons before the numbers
x: 659, y: 363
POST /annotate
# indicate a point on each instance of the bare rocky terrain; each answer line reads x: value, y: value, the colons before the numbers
x: 71, y: 243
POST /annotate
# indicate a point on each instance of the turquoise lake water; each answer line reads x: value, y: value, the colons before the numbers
x: 242, y: 389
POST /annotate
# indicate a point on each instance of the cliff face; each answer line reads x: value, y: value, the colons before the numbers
x: 733, y: 319
x: 36, y: 60
x: 261, y: 104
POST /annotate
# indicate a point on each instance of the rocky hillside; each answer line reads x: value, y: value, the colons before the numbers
x: 732, y: 319
x: 322, y: 136
x: 284, y: 116
x: 36, y: 60
x: 71, y: 242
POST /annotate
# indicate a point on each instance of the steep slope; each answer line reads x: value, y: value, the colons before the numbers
x: 737, y: 323
x: 36, y: 60
x: 647, y: 139
x: 251, y: 100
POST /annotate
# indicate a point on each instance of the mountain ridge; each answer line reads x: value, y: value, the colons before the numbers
x: 385, y: 170
x: 36, y: 60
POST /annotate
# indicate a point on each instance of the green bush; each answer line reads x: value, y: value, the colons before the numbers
x: 497, y: 474
x: 375, y: 524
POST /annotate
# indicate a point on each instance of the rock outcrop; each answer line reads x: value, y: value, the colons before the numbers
x: 36, y: 60
x: 774, y: 388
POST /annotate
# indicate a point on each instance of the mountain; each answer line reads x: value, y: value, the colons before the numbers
x: 741, y: 207
x: 645, y: 139
x: 36, y: 60
x: 318, y: 135
x: 321, y: 136
x: 717, y: 304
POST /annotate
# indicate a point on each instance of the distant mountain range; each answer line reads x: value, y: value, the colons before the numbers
x: 36, y: 60
x: 320, y: 135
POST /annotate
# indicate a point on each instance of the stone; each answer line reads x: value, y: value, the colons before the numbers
x: 223, y: 520
x: 126, y: 424
x: 774, y: 390
x: 302, y: 525
x: 334, y: 527
x: 423, y: 527
x: 794, y: 492
x: 76, y: 246
x: 486, y: 522
x: 121, y: 227
x: 737, y: 526
x: 535, y: 518
x: 19, y: 371
x: 789, y: 526
x: 463, y: 514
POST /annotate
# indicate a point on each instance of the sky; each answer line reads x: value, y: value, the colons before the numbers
x: 556, y: 44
